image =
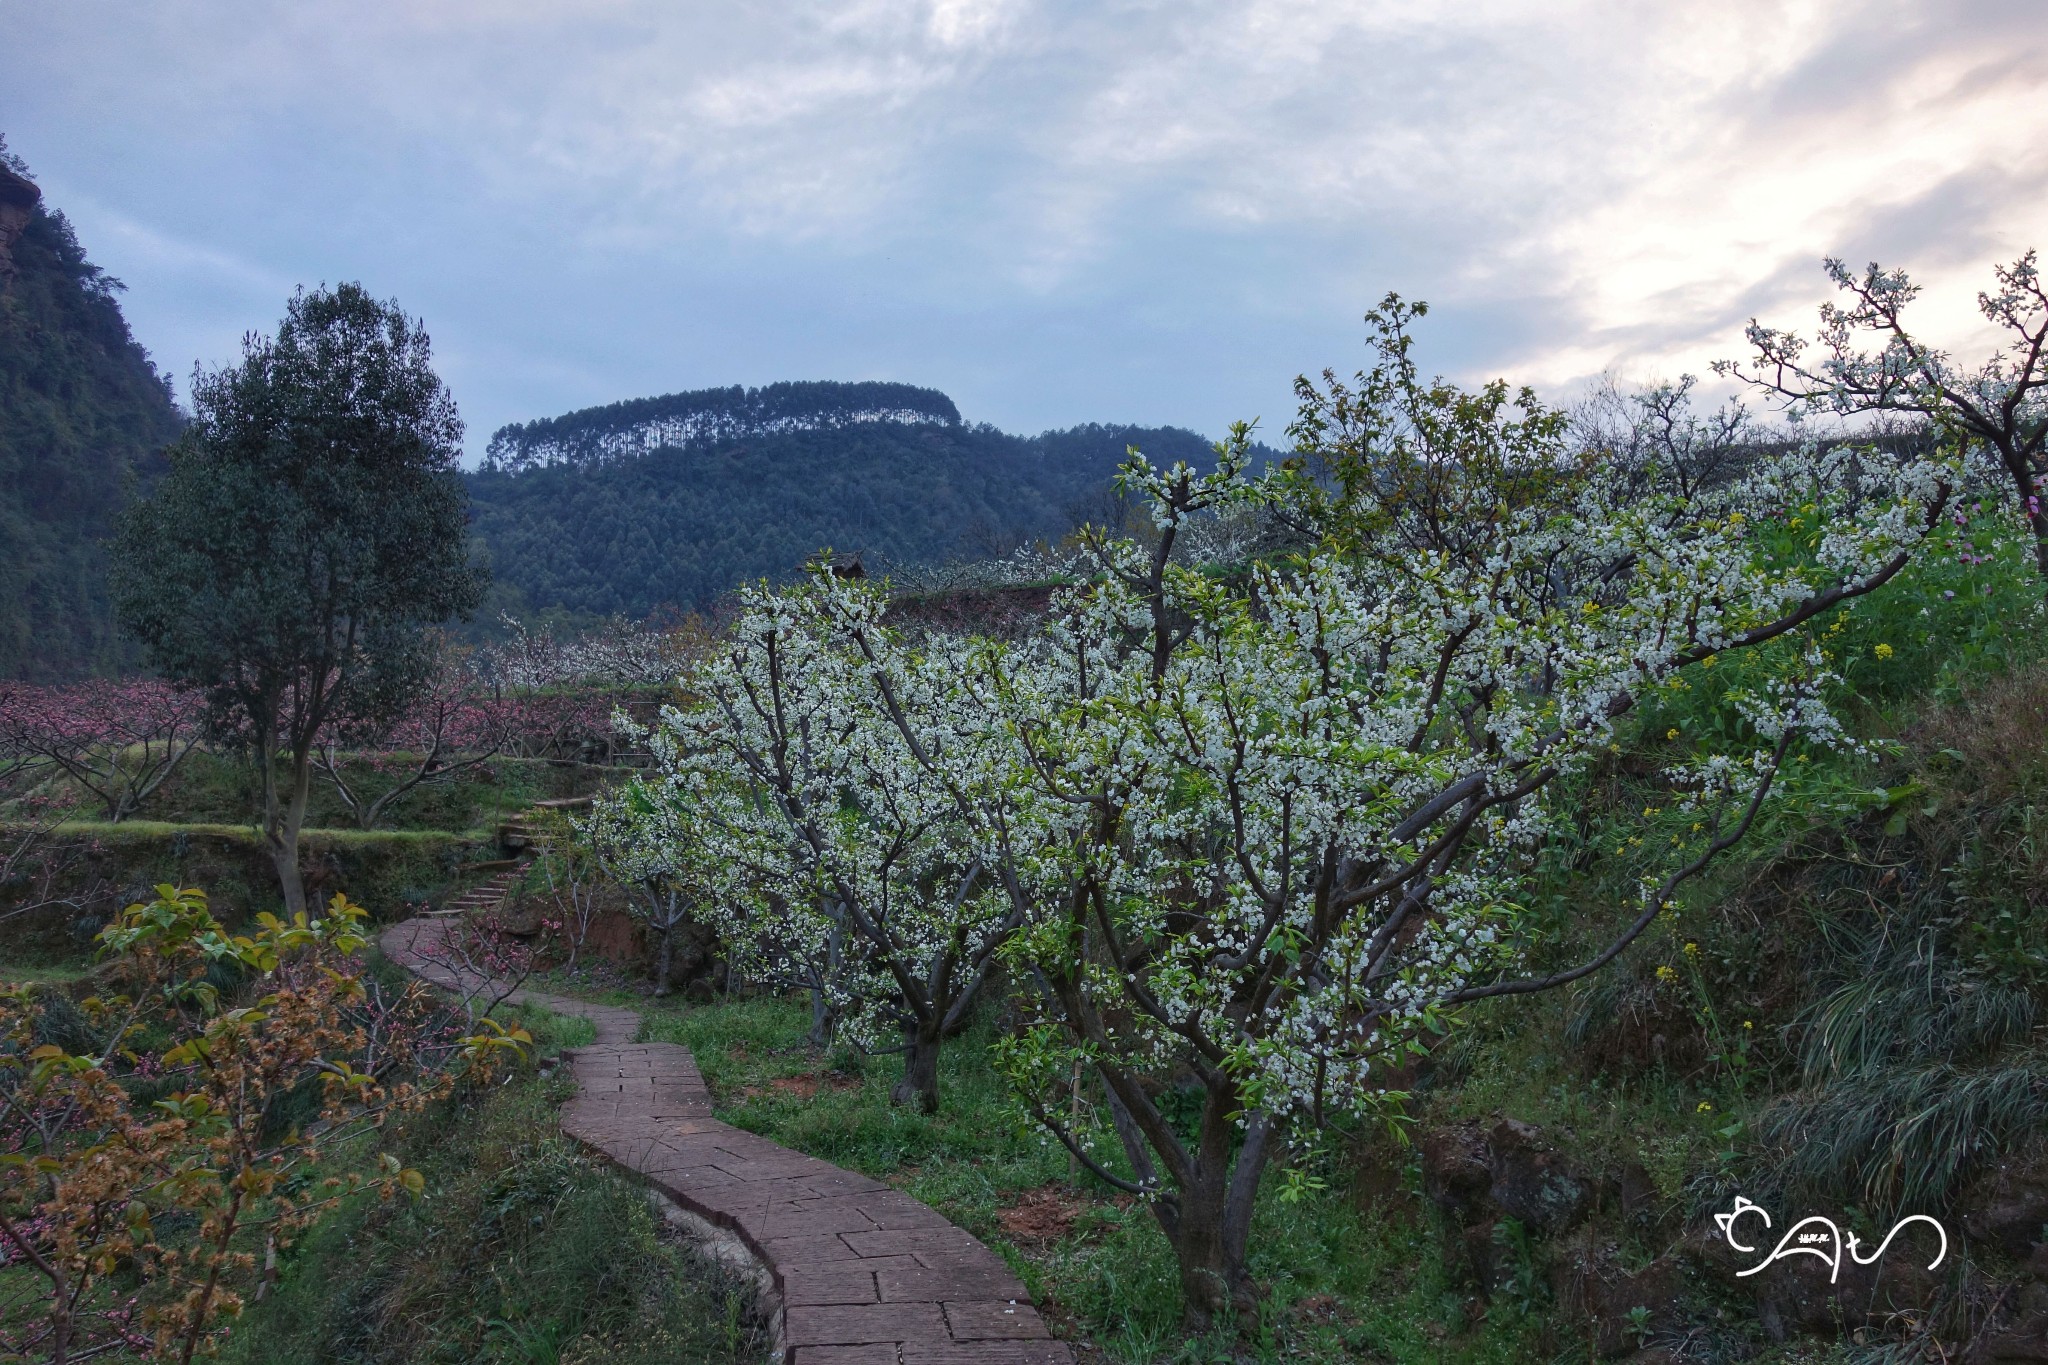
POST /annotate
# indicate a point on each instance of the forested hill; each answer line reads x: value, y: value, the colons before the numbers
x: 573, y: 522
x: 709, y: 417
x: 81, y: 409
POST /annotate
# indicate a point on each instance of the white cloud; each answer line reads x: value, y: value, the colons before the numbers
x: 1588, y: 184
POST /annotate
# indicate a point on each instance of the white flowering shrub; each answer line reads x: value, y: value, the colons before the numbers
x: 1267, y: 826
x: 825, y: 772
x: 1865, y: 359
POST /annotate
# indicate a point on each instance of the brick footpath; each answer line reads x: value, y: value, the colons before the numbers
x: 867, y: 1275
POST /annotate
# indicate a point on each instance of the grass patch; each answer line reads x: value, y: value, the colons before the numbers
x: 63, y: 972
x: 152, y: 831
x: 524, y: 1249
x: 1345, y: 1282
x: 220, y: 789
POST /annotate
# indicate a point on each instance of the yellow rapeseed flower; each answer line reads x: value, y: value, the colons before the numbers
x: 1692, y: 950
x: 1672, y: 733
x: 1883, y: 651
x: 1666, y: 974
x: 1704, y: 1108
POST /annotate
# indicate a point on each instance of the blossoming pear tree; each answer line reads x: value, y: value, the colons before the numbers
x: 1865, y: 359
x: 649, y: 846
x: 829, y: 772
x: 1267, y: 824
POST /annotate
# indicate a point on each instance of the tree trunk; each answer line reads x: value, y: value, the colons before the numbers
x: 664, y: 960
x: 2020, y: 469
x: 920, y: 1083
x: 820, y: 1035
x: 824, y: 1019
x: 1211, y: 1286
x: 283, y: 816
x: 1209, y: 1222
x: 2037, y: 522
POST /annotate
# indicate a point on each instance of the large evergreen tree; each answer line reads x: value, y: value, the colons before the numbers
x: 310, y: 529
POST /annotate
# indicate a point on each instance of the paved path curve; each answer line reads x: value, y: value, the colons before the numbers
x: 867, y: 1275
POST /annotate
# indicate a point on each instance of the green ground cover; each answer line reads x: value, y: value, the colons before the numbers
x: 524, y: 1250
x: 1350, y: 1277
x: 221, y: 788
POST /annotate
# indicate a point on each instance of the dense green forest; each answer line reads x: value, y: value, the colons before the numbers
x: 681, y: 525
x: 83, y: 413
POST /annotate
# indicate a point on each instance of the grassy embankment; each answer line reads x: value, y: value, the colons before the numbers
x: 198, y: 830
x: 524, y: 1250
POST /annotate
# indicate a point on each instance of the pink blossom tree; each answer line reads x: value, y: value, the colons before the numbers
x: 451, y: 727
x: 118, y: 741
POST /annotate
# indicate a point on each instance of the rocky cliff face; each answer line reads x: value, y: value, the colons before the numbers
x: 18, y: 199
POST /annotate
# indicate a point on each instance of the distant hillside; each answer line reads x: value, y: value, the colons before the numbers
x: 709, y: 417
x: 81, y: 409
x: 672, y: 502
x: 632, y: 508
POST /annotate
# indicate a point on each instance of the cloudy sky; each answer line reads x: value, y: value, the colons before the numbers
x: 1057, y: 211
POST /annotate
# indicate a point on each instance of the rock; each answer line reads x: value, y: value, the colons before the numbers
x: 1490, y: 1264
x: 2007, y: 1206
x: 2024, y: 1340
x: 1481, y: 1175
x: 1641, y: 1201
x: 1796, y: 1292
x: 1457, y: 1171
x: 1534, y: 1183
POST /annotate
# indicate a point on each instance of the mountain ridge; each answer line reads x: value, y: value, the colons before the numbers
x: 680, y: 526
x: 638, y: 426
